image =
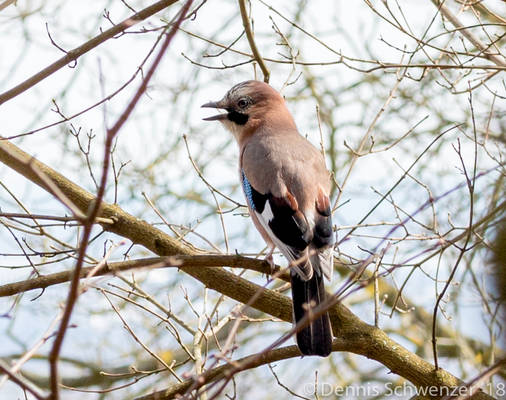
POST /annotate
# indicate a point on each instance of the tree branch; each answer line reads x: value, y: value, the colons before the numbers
x: 468, y: 34
x: 251, y: 41
x: 20, y: 381
x: 179, y: 261
x: 84, y: 48
x: 360, y: 337
x: 94, y: 209
x: 223, y: 371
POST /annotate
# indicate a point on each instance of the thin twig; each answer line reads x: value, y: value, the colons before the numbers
x: 21, y: 381
x: 251, y: 41
x: 84, y: 48
x: 94, y: 211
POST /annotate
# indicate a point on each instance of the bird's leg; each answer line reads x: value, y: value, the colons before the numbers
x: 269, y: 258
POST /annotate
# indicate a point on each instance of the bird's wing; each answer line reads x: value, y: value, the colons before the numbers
x: 286, y: 185
x: 323, y: 237
x: 284, y: 223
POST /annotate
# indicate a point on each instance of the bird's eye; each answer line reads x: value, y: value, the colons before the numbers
x: 243, y: 103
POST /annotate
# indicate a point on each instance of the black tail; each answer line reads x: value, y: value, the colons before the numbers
x: 316, y: 337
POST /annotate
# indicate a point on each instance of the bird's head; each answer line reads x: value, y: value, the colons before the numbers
x: 248, y: 106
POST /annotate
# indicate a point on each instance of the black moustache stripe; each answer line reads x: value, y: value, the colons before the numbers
x: 237, y: 117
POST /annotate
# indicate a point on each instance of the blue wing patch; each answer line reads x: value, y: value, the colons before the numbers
x: 255, y: 199
x: 248, y: 190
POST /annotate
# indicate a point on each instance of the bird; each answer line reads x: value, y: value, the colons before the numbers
x: 286, y: 185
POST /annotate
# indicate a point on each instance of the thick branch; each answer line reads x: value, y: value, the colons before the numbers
x: 223, y: 371
x: 361, y: 338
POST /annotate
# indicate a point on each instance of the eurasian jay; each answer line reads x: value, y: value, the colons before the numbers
x: 286, y: 185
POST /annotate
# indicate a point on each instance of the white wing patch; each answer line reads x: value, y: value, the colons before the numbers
x: 265, y: 217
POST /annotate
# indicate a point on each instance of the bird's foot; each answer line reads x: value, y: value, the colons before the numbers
x: 270, y: 260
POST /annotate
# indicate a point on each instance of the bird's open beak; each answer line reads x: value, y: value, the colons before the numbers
x: 215, y: 104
